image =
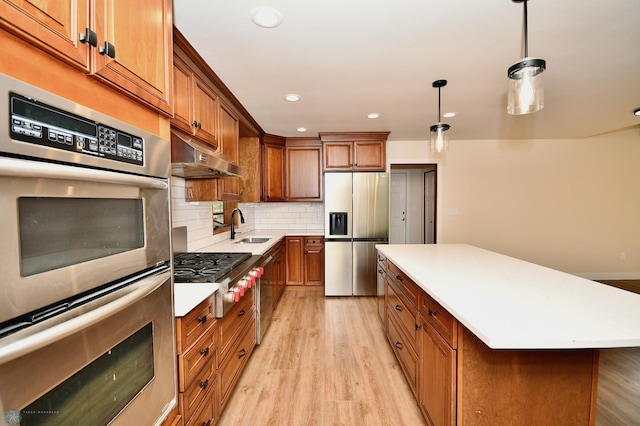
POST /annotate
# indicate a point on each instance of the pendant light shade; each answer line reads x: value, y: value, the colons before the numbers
x: 526, y: 92
x: 439, y: 132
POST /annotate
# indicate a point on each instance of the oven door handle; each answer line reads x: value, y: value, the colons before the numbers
x: 38, y: 340
x: 14, y: 167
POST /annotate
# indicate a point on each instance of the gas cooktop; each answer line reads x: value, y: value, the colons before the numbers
x: 205, y: 267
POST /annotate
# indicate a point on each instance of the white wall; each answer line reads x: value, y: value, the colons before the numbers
x: 572, y: 205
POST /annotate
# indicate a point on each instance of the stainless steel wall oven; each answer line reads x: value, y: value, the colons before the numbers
x: 86, y: 307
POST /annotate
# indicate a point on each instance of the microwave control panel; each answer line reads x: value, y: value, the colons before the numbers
x: 35, y: 122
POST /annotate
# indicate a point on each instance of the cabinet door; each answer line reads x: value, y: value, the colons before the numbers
x: 294, y: 264
x: 304, y: 173
x: 229, y: 140
x: 369, y: 156
x: 139, y: 37
x: 182, y: 96
x: 53, y: 26
x: 314, y: 264
x: 273, y: 172
x: 437, y: 388
x: 205, y: 112
x: 338, y: 156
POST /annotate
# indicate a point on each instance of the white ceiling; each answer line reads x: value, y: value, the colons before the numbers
x: 348, y: 58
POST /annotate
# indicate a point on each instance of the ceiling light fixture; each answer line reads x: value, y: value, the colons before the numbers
x: 292, y: 97
x: 301, y: 129
x: 373, y: 115
x: 636, y: 112
x: 449, y: 114
x: 266, y: 16
x: 439, y: 135
x: 526, y: 94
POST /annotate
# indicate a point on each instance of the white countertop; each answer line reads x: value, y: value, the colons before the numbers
x: 187, y: 296
x: 512, y: 304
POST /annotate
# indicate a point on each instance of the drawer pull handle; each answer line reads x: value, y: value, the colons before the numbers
x: 418, y: 327
x: 399, y: 308
x: 207, y: 423
x: 204, y: 384
x: 205, y: 351
x: 243, y: 352
x: 398, y: 345
x: 432, y: 312
x: 241, y: 313
x: 202, y: 319
x: 398, y: 277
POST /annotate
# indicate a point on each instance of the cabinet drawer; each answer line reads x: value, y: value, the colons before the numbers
x: 206, y: 413
x: 313, y: 240
x: 196, y: 357
x: 382, y: 261
x: 404, y: 283
x: 407, y: 357
x: 191, y: 327
x: 439, y: 318
x: 195, y: 393
x: 234, y: 322
x: 404, y: 313
x: 238, y: 355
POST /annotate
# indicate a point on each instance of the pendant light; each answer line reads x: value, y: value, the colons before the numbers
x: 526, y: 94
x: 439, y: 135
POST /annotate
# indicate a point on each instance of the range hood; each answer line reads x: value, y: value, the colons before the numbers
x: 193, y: 159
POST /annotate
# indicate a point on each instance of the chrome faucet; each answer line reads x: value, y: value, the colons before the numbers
x: 233, y: 222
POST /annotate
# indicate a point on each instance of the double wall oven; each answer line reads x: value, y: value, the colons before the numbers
x: 86, y: 311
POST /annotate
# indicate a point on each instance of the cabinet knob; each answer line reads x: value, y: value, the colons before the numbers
x: 202, y: 319
x: 204, y: 351
x: 108, y: 49
x: 418, y: 326
x: 398, y: 345
x: 398, y: 277
x: 241, y: 313
x: 398, y: 308
x: 196, y: 124
x: 89, y: 37
x: 432, y: 312
x: 204, y: 384
x: 242, y: 353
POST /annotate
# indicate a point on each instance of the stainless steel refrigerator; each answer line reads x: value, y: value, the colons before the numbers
x: 356, y: 219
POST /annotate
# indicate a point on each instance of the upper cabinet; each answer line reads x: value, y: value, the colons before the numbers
x: 354, y: 151
x: 127, y: 47
x: 292, y: 169
x: 229, y: 189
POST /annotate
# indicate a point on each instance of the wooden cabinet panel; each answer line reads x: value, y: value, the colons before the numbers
x: 230, y: 371
x: 205, y: 112
x: 193, y: 325
x: 406, y: 286
x: 407, y: 357
x: 314, y: 261
x: 437, y: 387
x: 183, y: 96
x: 439, y: 318
x: 229, y: 139
x: 338, y: 156
x: 273, y: 172
x: 195, y: 393
x: 133, y: 41
x: 142, y: 49
x: 404, y: 314
x: 233, y: 323
x: 295, y: 261
x: 369, y: 156
x: 380, y: 285
x: 304, y: 173
x: 50, y: 25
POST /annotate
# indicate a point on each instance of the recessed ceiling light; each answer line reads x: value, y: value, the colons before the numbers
x: 637, y: 112
x: 449, y: 114
x: 301, y: 129
x: 292, y: 97
x: 266, y: 16
x: 373, y: 115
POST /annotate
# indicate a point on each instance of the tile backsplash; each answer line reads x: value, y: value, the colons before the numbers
x: 197, y: 217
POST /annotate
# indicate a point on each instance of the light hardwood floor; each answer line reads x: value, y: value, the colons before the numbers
x: 326, y: 361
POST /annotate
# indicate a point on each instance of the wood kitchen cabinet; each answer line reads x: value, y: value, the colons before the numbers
x: 195, y: 103
x: 292, y: 169
x: 196, y: 346
x: 354, y: 151
x: 305, y: 260
x: 229, y: 137
x: 108, y: 47
x: 457, y: 379
x: 380, y: 286
x: 273, y: 155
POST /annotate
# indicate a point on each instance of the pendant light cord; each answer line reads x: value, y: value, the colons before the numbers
x: 526, y: 32
x: 439, y: 116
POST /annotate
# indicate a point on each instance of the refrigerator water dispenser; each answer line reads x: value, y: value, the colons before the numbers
x: 338, y: 223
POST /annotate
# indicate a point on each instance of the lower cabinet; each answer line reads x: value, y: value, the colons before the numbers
x: 457, y: 379
x: 305, y: 260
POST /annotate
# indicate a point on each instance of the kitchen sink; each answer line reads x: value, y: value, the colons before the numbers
x: 253, y: 240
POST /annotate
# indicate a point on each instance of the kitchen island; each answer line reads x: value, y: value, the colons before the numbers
x: 498, y: 340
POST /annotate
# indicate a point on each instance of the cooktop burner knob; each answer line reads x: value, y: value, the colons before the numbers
x: 230, y: 296
x: 236, y: 294
x: 251, y: 280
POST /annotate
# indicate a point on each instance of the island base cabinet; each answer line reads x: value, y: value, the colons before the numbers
x: 437, y: 379
x: 524, y: 387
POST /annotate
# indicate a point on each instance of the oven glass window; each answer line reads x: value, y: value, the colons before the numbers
x: 60, y: 232
x: 98, y: 392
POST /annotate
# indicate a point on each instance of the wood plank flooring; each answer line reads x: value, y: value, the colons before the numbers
x: 323, y: 361
x: 326, y: 361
